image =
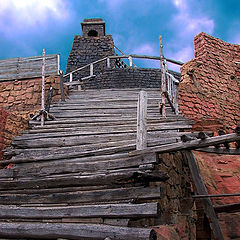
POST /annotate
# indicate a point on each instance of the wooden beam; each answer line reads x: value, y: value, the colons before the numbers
x: 71, y: 231
x: 201, y: 190
x: 216, y: 195
x: 142, y: 121
x: 227, y: 151
x: 194, y: 144
x: 228, y: 208
x: 90, y: 211
x: 62, y: 87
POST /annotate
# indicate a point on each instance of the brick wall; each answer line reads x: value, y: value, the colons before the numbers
x: 177, y: 216
x: 209, y: 94
x: 209, y: 90
x: 18, y: 100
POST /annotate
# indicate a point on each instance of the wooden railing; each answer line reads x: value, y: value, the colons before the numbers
x: 169, y: 82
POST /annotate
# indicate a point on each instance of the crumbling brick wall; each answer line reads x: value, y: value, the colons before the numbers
x: 177, y: 215
x: 19, y: 99
x: 10, y: 126
x: 209, y: 92
x: 23, y: 97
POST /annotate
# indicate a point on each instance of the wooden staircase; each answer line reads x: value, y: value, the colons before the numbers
x: 73, y: 177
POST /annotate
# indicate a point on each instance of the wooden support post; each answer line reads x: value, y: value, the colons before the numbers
x: 91, y: 69
x: 108, y: 63
x: 62, y: 87
x: 71, y: 77
x: 163, y: 78
x: 142, y: 121
x: 175, y: 98
x: 43, y: 88
x: 130, y: 61
x: 201, y: 190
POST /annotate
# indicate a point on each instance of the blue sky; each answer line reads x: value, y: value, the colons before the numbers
x: 28, y: 26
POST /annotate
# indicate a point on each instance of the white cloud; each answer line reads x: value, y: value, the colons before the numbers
x: 19, y: 14
x: 145, y: 48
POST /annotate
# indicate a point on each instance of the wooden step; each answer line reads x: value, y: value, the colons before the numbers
x: 71, y: 231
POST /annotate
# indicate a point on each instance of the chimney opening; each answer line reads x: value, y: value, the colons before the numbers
x: 92, y: 33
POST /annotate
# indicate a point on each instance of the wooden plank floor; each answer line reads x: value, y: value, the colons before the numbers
x: 75, y: 174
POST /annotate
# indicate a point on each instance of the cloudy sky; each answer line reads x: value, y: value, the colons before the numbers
x: 28, y: 26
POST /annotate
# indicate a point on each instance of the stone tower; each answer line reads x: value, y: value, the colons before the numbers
x: 91, y: 46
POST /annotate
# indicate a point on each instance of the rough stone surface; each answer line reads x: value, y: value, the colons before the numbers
x: 209, y: 92
x: 18, y: 100
x: 177, y: 216
x: 86, y: 50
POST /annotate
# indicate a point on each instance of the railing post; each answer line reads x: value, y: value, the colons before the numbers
x: 108, y: 63
x: 175, y: 98
x: 130, y: 61
x: 141, y: 142
x: 91, y: 69
x: 62, y: 87
x: 163, y: 78
x: 71, y: 77
x: 43, y: 88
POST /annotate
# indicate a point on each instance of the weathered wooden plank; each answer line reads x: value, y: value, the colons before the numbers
x: 201, y: 189
x: 141, y: 141
x: 98, y: 131
x: 27, y: 67
x: 190, y: 145
x: 227, y: 151
x: 93, y: 211
x: 77, y: 166
x: 71, y: 231
x: 91, y: 196
x: 106, y: 178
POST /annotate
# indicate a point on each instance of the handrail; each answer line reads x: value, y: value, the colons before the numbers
x: 124, y: 56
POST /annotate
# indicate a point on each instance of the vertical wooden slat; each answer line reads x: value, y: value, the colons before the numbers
x: 43, y: 87
x: 62, y: 87
x: 142, y: 121
x: 201, y: 190
x: 130, y: 61
x: 91, y: 69
x: 108, y: 63
x: 163, y: 78
x: 70, y: 77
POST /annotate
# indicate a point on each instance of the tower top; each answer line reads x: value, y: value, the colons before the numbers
x: 93, y: 27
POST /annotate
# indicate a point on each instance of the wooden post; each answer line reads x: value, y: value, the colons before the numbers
x: 201, y: 190
x: 62, y: 87
x: 43, y: 88
x: 130, y: 61
x: 142, y: 121
x: 91, y: 69
x: 108, y: 63
x: 71, y: 77
x: 163, y: 78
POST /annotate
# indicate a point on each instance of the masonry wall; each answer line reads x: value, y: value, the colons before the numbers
x: 86, y: 50
x: 177, y: 215
x: 18, y: 100
x: 126, y: 78
x: 209, y: 94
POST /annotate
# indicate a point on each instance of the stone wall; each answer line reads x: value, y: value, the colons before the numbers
x: 209, y: 92
x: 177, y: 215
x: 127, y: 78
x: 10, y: 125
x: 19, y: 99
x: 87, y: 50
x: 23, y: 97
